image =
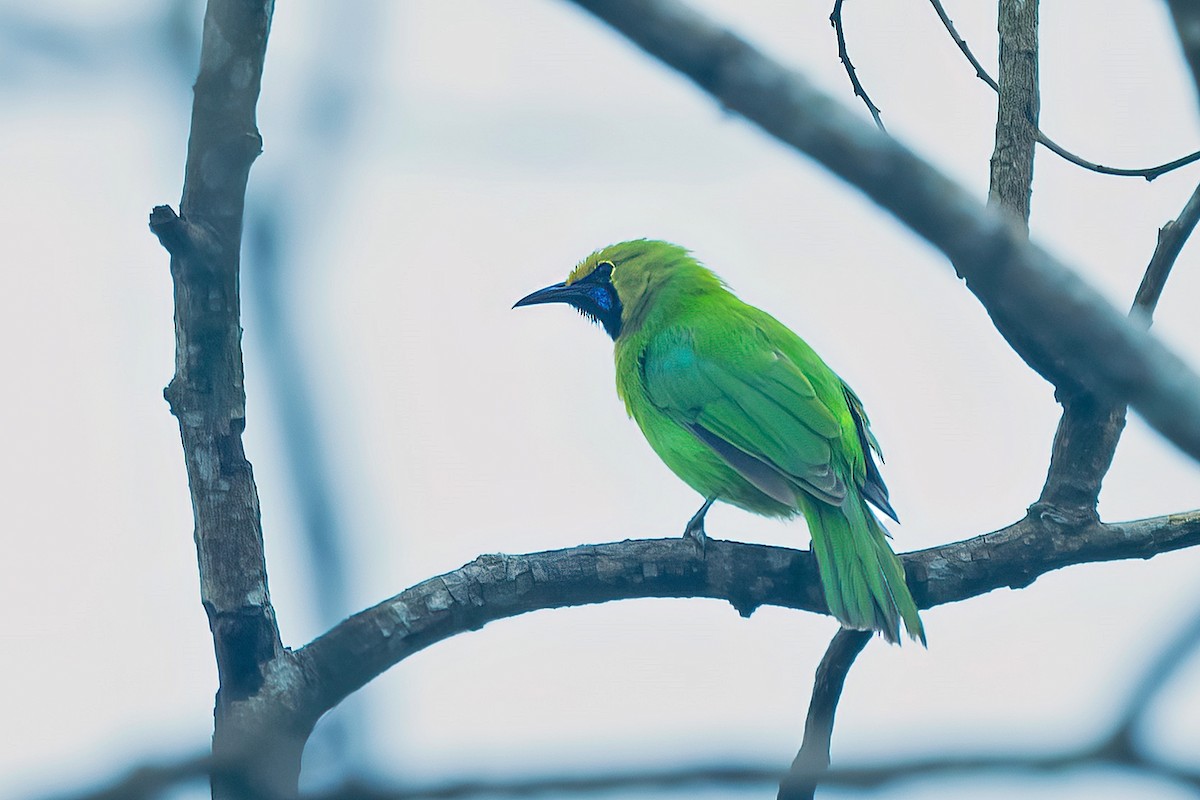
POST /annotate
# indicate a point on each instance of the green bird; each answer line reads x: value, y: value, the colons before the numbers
x: 743, y: 411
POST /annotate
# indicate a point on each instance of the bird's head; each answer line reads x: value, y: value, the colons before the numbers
x: 614, y: 286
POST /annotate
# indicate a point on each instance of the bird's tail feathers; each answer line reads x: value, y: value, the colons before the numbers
x: 862, y: 578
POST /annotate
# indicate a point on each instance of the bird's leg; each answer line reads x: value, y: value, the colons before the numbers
x: 695, y: 526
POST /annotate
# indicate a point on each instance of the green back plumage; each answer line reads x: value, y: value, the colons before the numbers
x: 743, y: 410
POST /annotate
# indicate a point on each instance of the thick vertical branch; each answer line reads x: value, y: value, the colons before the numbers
x: 207, y: 393
x: 1084, y: 445
x: 1018, y: 108
x: 1010, y: 184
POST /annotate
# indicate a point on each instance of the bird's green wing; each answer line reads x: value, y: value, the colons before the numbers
x: 741, y: 396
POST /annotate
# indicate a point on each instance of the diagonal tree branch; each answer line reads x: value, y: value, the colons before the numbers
x: 1069, y: 326
x: 813, y: 758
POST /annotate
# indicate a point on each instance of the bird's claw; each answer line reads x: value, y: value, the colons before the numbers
x: 698, y: 538
x: 694, y: 532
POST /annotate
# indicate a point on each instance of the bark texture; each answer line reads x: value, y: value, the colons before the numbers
x: 207, y: 393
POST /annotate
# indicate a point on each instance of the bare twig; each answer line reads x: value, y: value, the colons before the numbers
x: 835, y: 19
x: 1087, y: 435
x: 1076, y: 337
x: 1149, y: 173
x: 980, y: 72
x: 813, y: 757
x: 1171, y: 239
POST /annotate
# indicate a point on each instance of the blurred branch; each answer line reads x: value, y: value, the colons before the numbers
x: 1010, y: 176
x: 835, y: 19
x: 1186, y: 15
x: 1149, y: 173
x: 306, y: 454
x: 1165, y: 665
x: 1069, y: 325
x: 283, y: 247
x: 813, y: 758
x: 207, y: 393
x: 148, y: 783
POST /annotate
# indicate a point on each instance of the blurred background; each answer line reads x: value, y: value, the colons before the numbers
x: 425, y: 165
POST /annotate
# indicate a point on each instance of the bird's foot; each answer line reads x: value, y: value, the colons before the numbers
x: 694, y: 531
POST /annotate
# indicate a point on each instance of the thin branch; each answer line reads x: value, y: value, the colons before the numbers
x: 1171, y: 239
x: 813, y: 758
x: 980, y: 72
x: 835, y: 19
x: 1149, y: 173
x: 1075, y: 336
x: 1090, y: 428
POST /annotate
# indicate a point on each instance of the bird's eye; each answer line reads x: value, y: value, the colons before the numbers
x: 603, y: 272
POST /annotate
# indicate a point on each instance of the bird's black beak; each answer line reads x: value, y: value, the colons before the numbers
x: 558, y: 293
x: 594, y: 299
